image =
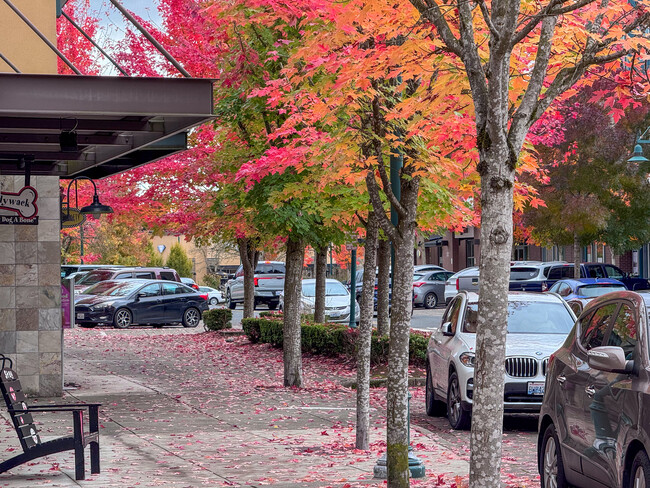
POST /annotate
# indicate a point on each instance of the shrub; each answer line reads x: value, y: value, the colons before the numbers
x: 418, y: 348
x: 271, y: 332
x: 271, y: 314
x: 379, y: 348
x: 327, y: 339
x: 251, y: 328
x: 218, y: 319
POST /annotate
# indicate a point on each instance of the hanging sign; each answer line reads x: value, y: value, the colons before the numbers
x: 71, y: 217
x: 23, y: 206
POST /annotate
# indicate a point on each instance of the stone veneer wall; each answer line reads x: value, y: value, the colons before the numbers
x: 30, y: 291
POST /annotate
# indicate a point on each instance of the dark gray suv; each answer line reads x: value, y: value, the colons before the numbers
x: 595, y: 416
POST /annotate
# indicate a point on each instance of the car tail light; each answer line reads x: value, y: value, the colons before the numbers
x: 418, y: 284
x: 256, y: 281
x: 195, y: 286
x: 544, y: 286
x: 457, y: 288
x: 205, y: 297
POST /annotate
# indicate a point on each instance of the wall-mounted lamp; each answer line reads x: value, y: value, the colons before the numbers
x: 95, y: 208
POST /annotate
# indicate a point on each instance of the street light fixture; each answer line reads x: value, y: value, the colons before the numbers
x: 638, y: 155
x: 95, y: 208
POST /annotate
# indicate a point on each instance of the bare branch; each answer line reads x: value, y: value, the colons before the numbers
x: 431, y: 12
x: 488, y: 20
x: 378, y: 206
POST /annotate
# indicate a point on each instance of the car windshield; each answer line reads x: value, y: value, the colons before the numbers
x: 528, y: 318
x: 113, y: 289
x: 95, y: 277
x: 332, y: 288
x: 521, y: 273
x: 592, y: 291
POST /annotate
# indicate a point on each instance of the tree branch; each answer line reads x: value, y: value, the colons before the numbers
x: 378, y: 206
x: 431, y: 12
x: 488, y: 20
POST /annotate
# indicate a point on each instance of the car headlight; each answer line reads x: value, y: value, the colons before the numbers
x: 98, y: 308
x: 467, y: 358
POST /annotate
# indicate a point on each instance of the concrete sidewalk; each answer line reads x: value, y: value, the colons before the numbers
x: 183, y: 408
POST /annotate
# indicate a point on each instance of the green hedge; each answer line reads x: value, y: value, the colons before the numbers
x: 332, y: 339
x: 218, y: 319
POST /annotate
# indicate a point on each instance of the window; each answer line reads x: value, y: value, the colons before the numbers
x: 123, y: 276
x: 520, y: 253
x: 593, y: 331
x: 469, y: 252
x: 145, y: 275
x: 150, y: 290
x: 167, y: 275
x: 564, y: 290
x: 596, y: 272
x: 437, y: 277
x: 624, y: 331
x: 452, y: 313
x: 614, y: 272
x: 559, y: 272
x: 172, y: 289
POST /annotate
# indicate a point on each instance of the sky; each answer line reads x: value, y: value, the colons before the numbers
x: 113, y: 23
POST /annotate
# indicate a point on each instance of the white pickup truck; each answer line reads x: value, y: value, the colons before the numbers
x: 268, y: 281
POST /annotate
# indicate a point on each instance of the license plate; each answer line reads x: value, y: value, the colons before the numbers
x: 80, y: 316
x: 535, y: 388
x: 334, y: 314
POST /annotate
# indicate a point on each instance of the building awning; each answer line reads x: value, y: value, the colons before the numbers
x: 109, y: 124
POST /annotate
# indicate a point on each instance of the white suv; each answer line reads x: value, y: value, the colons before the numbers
x: 538, y: 324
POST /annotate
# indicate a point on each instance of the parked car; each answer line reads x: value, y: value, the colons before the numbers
x: 451, y: 285
x: 122, y: 303
x: 214, y: 296
x: 425, y: 268
x: 189, y: 282
x: 537, y: 325
x: 594, y: 428
x: 429, y: 288
x: 601, y: 270
x: 579, y: 292
x: 524, y: 276
x: 68, y: 269
x: 337, y: 300
x: 268, y: 280
x: 106, y: 274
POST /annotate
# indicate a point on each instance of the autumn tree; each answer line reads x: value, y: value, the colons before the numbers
x: 179, y: 261
x: 518, y: 58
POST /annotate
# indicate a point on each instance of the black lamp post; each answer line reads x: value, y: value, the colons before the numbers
x: 95, y: 208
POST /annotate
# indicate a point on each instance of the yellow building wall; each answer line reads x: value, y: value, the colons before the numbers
x: 20, y: 44
x: 196, y: 254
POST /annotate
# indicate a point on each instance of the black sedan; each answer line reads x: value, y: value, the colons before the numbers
x: 122, y: 303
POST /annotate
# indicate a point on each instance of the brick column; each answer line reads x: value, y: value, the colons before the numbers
x: 30, y: 291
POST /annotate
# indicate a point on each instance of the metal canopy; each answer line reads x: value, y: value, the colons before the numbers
x: 120, y: 123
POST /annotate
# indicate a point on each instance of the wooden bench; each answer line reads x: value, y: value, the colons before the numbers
x: 21, y: 415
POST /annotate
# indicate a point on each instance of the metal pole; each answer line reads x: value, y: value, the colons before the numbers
x: 353, y: 287
x: 81, y: 236
x: 9, y: 63
x: 43, y: 37
x: 95, y: 44
x: 146, y: 34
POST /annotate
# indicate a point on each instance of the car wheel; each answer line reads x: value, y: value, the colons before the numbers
x: 458, y: 418
x: 273, y: 306
x: 231, y: 304
x: 123, y: 318
x: 640, y: 472
x: 191, y: 317
x: 213, y: 301
x: 435, y: 408
x: 430, y: 300
x: 551, y: 467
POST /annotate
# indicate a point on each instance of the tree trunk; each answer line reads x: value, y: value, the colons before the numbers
x: 320, y: 263
x: 249, y: 256
x: 496, y: 244
x: 400, y: 328
x: 576, y: 256
x: 292, y: 353
x: 383, y: 287
x: 365, y: 331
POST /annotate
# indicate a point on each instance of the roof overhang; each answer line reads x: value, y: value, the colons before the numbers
x: 120, y: 122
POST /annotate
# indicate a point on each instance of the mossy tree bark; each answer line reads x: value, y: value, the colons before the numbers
x: 383, y: 287
x: 292, y: 353
x: 320, y: 263
x: 249, y: 256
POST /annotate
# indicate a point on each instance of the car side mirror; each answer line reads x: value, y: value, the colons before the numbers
x: 609, y: 358
x: 446, y: 329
